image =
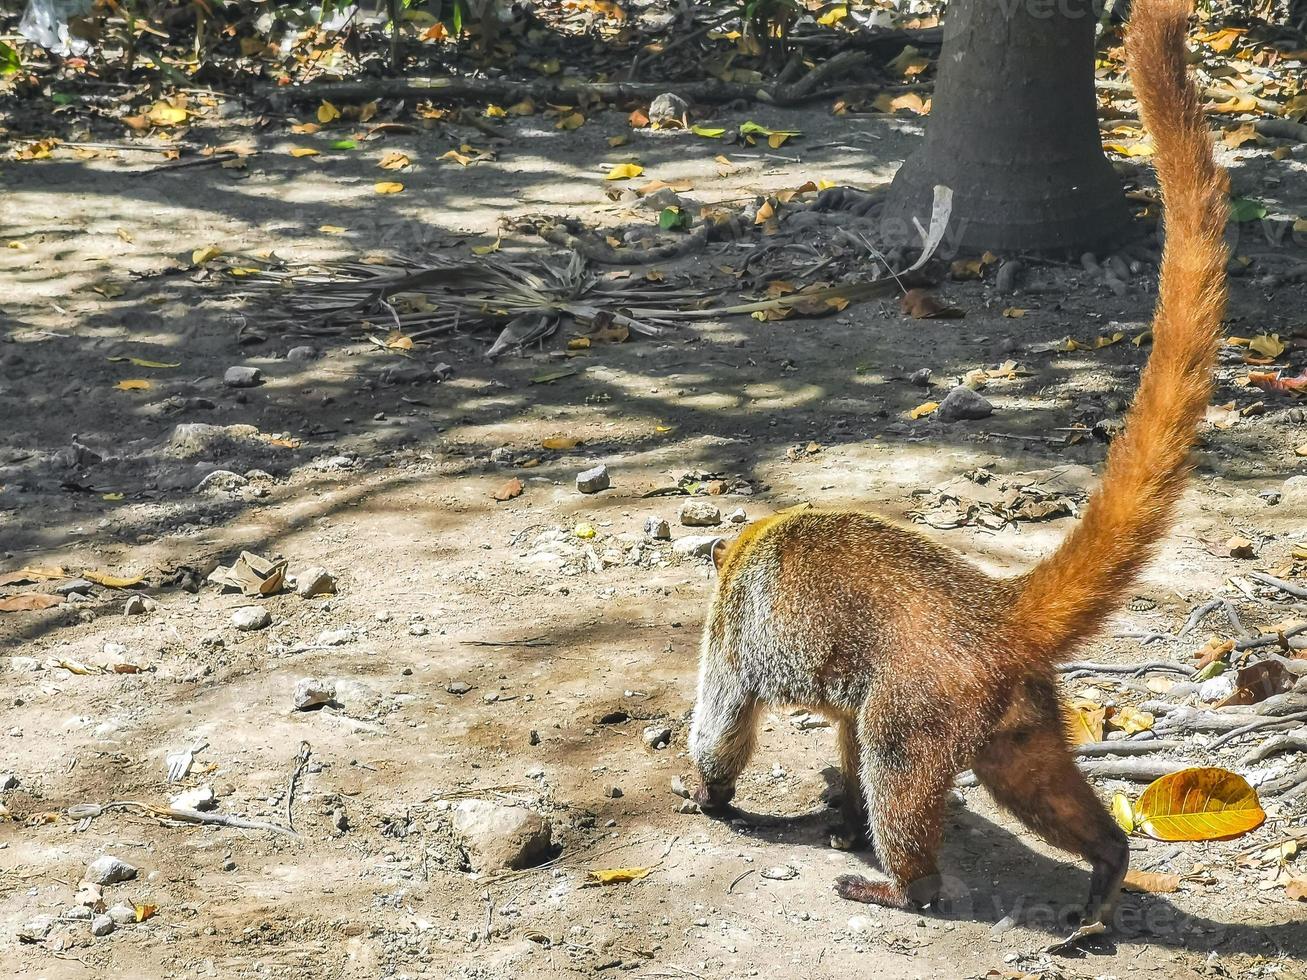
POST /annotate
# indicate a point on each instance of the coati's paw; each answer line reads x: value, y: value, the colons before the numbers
x: 858, y: 889
x: 843, y: 838
x: 713, y: 796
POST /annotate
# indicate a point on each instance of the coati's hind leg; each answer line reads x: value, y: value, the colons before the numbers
x: 853, y: 834
x: 723, y: 733
x: 906, y: 799
x: 1031, y: 773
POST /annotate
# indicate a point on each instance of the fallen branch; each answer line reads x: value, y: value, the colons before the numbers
x: 89, y: 811
x: 1134, y: 770
x: 1287, y: 785
x: 1271, y: 721
x: 1094, y: 750
x: 1297, y: 591
x: 1274, y: 746
x: 1134, y: 670
x: 301, y: 760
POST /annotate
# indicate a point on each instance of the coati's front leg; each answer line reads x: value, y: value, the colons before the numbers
x: 905, y: 798
x: 1031, y: 773
x: 853, y: 834
x: 723, y: 733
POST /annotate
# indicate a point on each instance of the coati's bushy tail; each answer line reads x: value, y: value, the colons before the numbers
x: 1066, y: 597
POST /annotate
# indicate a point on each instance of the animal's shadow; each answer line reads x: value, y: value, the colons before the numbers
x: 991, y: 874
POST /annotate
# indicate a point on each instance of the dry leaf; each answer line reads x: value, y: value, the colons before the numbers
x: 512, y: 488
x: 134, y: 384
x: 921, y: 305
x: 387, y: 187
x: 624, y: 171
x: 1199, y: 804
x: 28, y: 574
x: 112, y: 581
x: 923, y: 410
x: 394, y: 160
x: 29, y: 601
x: 1123, y: 813
x: 307, y: 128
x: 327, y: 112
x: 251, y: 575
x: 560, y: 442
x: 1267, y: 345
x: 573, y: 120
x: 144, y: 912
x: 1257, y: 682
x: 201, y: 255
x: 303, y: 151
x: 1152, y: 882
x: 1296, y: 889
x: 1085, y: 722
x: 1239, y: 547
x: 1131, y: 720
x: 613, y: 876
x: 332, y: 229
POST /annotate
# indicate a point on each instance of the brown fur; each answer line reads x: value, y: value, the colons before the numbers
x: 927, y: 664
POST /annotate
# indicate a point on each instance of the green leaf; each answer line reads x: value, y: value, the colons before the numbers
x: 670, y: 219
x: 1210, y: 671
x: 551, y: 376
x: 9, y: 61
x: 1246, y: 209
x: 343, y: 145
x: 708, y: 132
x: 62, y: 98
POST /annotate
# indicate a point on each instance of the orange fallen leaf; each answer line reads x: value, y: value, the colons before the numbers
x: 1199, y: 804
x: 513, y: 488
x: 1152, y: 882
x: 29, y: 601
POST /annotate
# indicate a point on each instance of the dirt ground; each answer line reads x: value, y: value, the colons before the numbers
x: 555, y: 635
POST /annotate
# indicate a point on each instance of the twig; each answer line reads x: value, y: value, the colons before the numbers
x: 300, y: 762
x: 1272, y: 721
x: 1286, y: 785
x: 1297, y: 591
x: 88, y: 811
x: 1134, y: 670
x: 183, y: 164
x: 1134, y: 770
x: 739, y: 879
x: 1270, y: 639
x: 1090, y: 750
x: 1196, y: 617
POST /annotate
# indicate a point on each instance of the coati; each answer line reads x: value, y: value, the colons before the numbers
x: 929, y: 665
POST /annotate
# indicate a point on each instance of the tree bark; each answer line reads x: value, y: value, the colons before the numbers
x: 1014, y: 132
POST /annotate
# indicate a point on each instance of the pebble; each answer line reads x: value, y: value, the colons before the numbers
x: 501, y: 456
x: 657, y: 736
x: 302, y: 353
x: 700, y: 513
x: 135, y: 606
x: 501, y: 837
x: 340, y: 819
x: 963, y: 403
x: 695, y: 545
x: 738, y: 516
x: 76, y: 585
x: 36, y: 929
x: 593, y: 480
x: 418, y: 629
x: 334, y: 638
x: 109, y: 870
x: 240, y: 376
x: 102, y: 925
x: 122, y: 914
x: 687, y: 806
x: 458, y: 687
x: 781, y: 872
x: 658, y: 529
x: 200, y: 798
x: 920, y: 378
x: 1216, y: 688
x: 613, y: 792
x: 314, y: 581
x: 310, y: 692
x: 8, y: 781
x: 1005, y: 924
x: 247, y: 619
x: 668, y: 107
x: 807, y: 721
x: 222, y: 480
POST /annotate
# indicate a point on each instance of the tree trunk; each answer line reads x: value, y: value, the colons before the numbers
x: 1014, y: 132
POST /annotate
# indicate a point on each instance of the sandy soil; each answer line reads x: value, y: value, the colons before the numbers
x: 390, y: 489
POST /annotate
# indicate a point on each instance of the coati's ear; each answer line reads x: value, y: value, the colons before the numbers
x: 719, y: 549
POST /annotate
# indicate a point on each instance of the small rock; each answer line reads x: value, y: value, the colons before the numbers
x: 247, y: 619
x: 76, y: 585
x: 340, y: 819
x: 334, y: 638
x: 658, y: 529
x: 501, y: 837
x: 302, y: 353
x: 418, y: 629
x: 738, y: 516
x: 122, y: 914
x: 1005, y: 924
x: 695, y: 545
x: 8, y: 781
x: 668, y: 107
x: 613, y: 792
x: 242, y: 377
x: 404, y: 374
x: 593, y: 480
x: 222, y: 480
x: 700, y: 513
x: 1216, y: 688
x: 135, y: 606
x: 1271, y: 497
x: 109, y: 870
x: 687, y: 806
x: 458, y: 687
x: 533, y: 737
x: 102, y: 925
x: 657, y: 736
x: 200, y: 798
x: 229, y: 865
x: 88, y: 895
x: 314, y: 581
x: 36, y: 929
x: 781, y: 872
x: 920, y: 378
x: 963, y: 403
x: 310, y: 692
x: 807, y: 721
x: 443, y: 371
x: 860, y: 923
x: 501, y: 456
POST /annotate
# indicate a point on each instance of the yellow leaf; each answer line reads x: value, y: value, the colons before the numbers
x: 394, y: 160
x: 496, y: 112
x: 1123, y: 813
x: 387, y: 187
x: 327, y: 112
x: 111, y: 496
x: 140, y: 362
x: 303, y: 151
x: 624, y: 171
x: 1267, y: 345
x: 461, y: 159
x: 332, y: 229
x: 524, y: 108
x: 1199, y: 804
x: 134, y: 384
x: 1014, y: 312
x: 573, y: 120
x: 579, y: 343
x: 368, y: 109
x: 305, y: 128
x: 201, y: 255
x: 723, y: 159
x: 486, y: 249
x: 619, y: 140
x: 777, y: 140
x: 1144, y: 338
x: 144, y: 912
x: 1152, y: 882
x: 1235, y: 104
x: 614, y: 876
x: 1085, y: 722
x: 397, y: 341
x: 125, y: 235
x: 1131, y: 720
x: 1142, y: 148
x: 560, y: 442
x: 164, y: 114
x: 584, y: 531
x: 921, y: 411
x: 112, y: 581
x: 833, y: 16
